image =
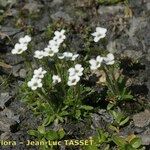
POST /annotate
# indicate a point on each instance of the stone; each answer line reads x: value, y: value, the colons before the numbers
x: 148, y: 6
x: 32, y: 7
x: 5, y: 136
x: 5, y: 99
x: 135, y: 55
x: 12, y: 59
x: 142, y: 119
x: 22, y: 73
x: 16, y: 69
x: 9, y: 31
x: 61, y: 15
x: 111, y: 47
x: 103, y: 10
x: 7, y: 124
x: 10, y: 114
x: 145, y: 137
x: 56, y: 2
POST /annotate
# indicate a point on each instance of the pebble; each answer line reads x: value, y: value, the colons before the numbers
x: 142, y: 119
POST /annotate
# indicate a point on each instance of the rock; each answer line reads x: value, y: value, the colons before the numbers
x: 22, y: 73
x: 16, y: 69
x: 103, y: 10
x: 111, y: 47
x: 32, y: 7
x: 146, y: 137
x: 135, y: 55
x: 5, y: 99
x: 142, y: 119
x: 10, y: 114
x: 56, y: 2
x: 10, y: 31
x: 101, y: 120
x: 148, y: 6
x: 5, y: 136
x: 7, y: 124
x: 61, y: 15
x: 12, y: 59
x: 105, y: 115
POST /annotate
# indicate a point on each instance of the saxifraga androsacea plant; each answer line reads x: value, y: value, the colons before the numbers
x: 54, y: 90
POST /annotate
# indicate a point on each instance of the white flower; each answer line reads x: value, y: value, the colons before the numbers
x: 53, y: 43
x: 19, y: 48
x: 73, y: 80
x: 96, y: 63
x: 74, y: 57
x: 39, y: 73
x: 39, y: 54
x: 109, y: 59
x: 60, y: 56
x: 35, y: 83
x: 48, y: 52
x: 99, y: 34
x: 25, y: 40
x: 59, y: 36
x: 56, y: 79
x: 77, y: 70
x: 68, y: 54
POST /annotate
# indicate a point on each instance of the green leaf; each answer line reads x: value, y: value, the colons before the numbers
x: 128, y: 97
x: 110, y: 106
x: 111, y: 127
x: 33, y: 133
x: 41, y: 129
x: 124, y: 121
x: 119, y: 141
x: 136, y: 142
x: 48, y: 120
x: 51, y: 135
x: 61, y: 133
x: 85, y: 107
x: 78, y: 114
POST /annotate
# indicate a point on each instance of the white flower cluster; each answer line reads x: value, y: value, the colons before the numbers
x: 68, y: 55
x: 36, y: 81
x: 96, y: 63
x: 99, y: 34
x: 53, y: 46
x: 75, y: 74
x: 56, y: 79
x: 22, y: 45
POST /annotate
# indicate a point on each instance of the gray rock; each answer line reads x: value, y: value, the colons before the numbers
x: 5, y: 136
x: 10, y: 114
x: 148, y: 6
x: 10, y: 31
x: 142, y: 119
x: 103, y: 10
x: 4, y: 99
x: 111, y: 47
x: 56, y: 2
x: 136, y: 55
x: 7, y: 124
x: 146, y: 137
x: 102, y: 119
x: 105, y: 115
x: 61, y: 15
x: 13, y: 59
x: 22, y: 73
x: 33, y: 7
x: 16, y: 70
